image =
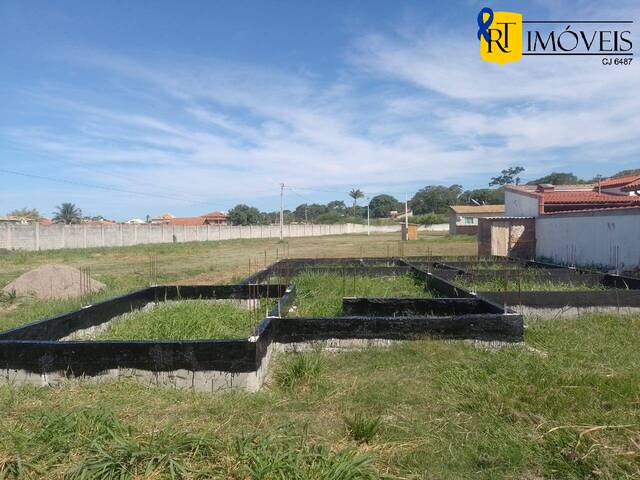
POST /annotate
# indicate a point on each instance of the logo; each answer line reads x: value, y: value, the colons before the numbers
x: 500, y: 36
x: 504, y: 38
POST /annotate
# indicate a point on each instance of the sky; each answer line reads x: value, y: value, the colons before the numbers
x: 141, y: 108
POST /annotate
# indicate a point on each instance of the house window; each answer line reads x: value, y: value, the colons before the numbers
x: 468, y: 220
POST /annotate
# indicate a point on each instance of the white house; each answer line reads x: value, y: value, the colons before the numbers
x: 589, y: 225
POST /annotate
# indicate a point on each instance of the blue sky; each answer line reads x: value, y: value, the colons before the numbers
x: 188, y: 107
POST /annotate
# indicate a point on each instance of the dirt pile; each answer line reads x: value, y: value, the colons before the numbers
x: 52, y: 281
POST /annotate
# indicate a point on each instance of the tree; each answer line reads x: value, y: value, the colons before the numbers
x: 483, y: 196
x: 29, y: 213
x: 625, y: 173
x: 245, y: 215
x: 508, y: 176
x: 434, y: 199
x: 557, y: 178
x: 356, y: 193
x: 381, y: 205
x: 67, y: 213
x: 336, y: 206
x: 309, y: 213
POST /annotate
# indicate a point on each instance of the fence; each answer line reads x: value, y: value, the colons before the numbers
x: 55, y: 237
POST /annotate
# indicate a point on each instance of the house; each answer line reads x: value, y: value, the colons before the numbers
x: 463, y: 219
x: 187, y: 221
x: 595, y: 225
x: 215, y: 218
x: 13, y: 220
x: 211, y: 218
x: 165, y: 218
x: 135, y: 221
x: 535, y: 200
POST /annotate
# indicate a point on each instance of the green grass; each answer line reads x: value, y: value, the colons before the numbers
x: 187, y: 320
x: 321, y: 294
x: 562, y: 406
x: 363, y: 428
x: 124, y: 269
x: 524, y: 282
x: 304, y: 370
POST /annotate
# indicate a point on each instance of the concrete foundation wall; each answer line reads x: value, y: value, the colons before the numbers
x: 608, y: 239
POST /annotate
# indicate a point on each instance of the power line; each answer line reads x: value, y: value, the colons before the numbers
x: 188, y: 201
x: 100, y: 187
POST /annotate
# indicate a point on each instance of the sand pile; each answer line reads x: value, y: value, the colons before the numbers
x: 52, y: 281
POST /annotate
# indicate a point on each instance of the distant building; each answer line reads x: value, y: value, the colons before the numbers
x: 463, y: 219
x: 215, y: 218
x: 187, y: 221
x: 535, y: 200
x: 211, y: 218
x: 166, y: 218
x: 135, y: 221
x: 13, y: 220
x: 594, y: 225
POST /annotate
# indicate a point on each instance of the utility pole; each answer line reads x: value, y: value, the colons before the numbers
x: 281, y: 211
x: 406, y: 212
x: 368, y: 218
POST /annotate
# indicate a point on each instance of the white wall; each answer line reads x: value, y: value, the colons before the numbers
x: 610, y: 239
x: 520, y: 205
x: 54, y: 237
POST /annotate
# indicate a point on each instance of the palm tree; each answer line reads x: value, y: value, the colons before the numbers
x: 356, y: 193
x: 67, y: 213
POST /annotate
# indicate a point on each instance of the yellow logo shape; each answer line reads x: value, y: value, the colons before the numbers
x: 500, y: 36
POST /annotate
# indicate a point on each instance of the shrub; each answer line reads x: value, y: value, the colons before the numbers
x: 429, y: 219
x: 362, y: 428
x: 300, y: 370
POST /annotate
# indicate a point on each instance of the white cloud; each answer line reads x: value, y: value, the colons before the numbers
x: 408, y: 111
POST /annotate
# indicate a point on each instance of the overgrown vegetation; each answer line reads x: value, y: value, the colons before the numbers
x: 524, y: 281
x: 562, y: 406
x: 90, y: 444
x: 188, y: 320
x: 362, y: 428
x: 321, y: 294
x: 303, y: 370
x: 125, y: 269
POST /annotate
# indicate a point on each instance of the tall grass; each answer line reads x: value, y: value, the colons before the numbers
x: 524, y: 282
x: 84, y: 444
x: 186, y: 320
x: 280, y: 455
x: 300, y: 370
x: 362, y: 428
x: 320, y: 294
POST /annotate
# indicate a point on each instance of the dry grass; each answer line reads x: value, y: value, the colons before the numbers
x: 126, y: 269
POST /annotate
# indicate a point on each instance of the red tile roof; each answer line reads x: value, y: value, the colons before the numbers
x: 188, y: 221
x: 633, y: 186
x: 586, y: 197
x: 589, y: 210
x: 215, y: 214
x: 619, y: 181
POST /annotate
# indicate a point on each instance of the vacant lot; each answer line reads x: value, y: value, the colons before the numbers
x: 125, y: 269
x: 564, y: 405
x: 321, y: 294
